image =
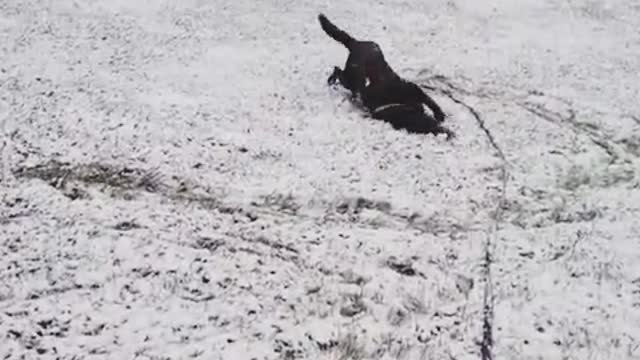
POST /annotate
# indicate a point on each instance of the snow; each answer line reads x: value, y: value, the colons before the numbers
x: 179, y: 182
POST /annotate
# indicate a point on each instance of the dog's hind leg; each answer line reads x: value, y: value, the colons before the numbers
x: 353, y: 77
x: 336, y: 77
x: 346, y: 80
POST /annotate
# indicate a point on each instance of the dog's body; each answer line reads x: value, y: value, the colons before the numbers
x: 385, y: 94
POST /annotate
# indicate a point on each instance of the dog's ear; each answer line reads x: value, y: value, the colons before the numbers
x: 438, y: 114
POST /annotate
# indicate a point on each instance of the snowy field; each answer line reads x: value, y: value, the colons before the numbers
x: 178, y: 182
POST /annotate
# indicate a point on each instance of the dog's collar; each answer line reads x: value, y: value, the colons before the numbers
x: 387, y: 106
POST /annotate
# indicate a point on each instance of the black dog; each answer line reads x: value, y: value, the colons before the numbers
x: 386, y: 95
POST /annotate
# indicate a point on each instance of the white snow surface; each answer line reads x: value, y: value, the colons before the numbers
x: 178, y: 181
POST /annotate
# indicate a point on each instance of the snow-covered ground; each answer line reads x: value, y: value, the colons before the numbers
x: 179, y: 182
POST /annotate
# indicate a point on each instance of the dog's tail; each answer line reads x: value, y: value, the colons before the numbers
x: 338, y: 35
